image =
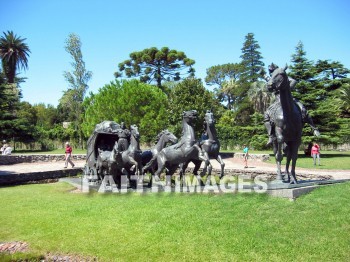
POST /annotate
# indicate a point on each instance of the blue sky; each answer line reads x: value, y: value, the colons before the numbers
x: 210, y: 32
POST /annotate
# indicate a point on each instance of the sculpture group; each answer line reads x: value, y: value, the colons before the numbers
x: 106, y: 156
x: 114, y: 150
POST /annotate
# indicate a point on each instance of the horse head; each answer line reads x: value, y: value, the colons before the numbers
x: 169, y: 137
x: 209, y: 118
x: 134, y: 130
x: 279, y: 80
x: 190, y: 115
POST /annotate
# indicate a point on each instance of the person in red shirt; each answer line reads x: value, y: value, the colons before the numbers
x: 68, y: 155
x: 315, y: 153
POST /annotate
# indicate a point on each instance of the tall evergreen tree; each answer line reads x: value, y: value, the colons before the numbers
x: 302, y: 70
x: 251, y: 59
x: 252, y: 71
x: 315, y: 90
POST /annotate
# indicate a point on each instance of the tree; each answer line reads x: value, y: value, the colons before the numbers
x: 225, y: 77
x: 344, y: 98
x: 190, y: 94
x: 316, y: 89
x: 252, y: 71
x: 14, y: 54
x: 24, y: 125
x: 331, y: 70
x: 253, y: 67
x: 260, y: 98
x: 73, y: 98
x: 47, y: 115
x: 131, y: 102
x: 153, y: 65
x: 303, y: 71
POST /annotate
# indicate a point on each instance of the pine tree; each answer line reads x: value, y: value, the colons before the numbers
x: 251, y: 59
x: 316, y: 90
x: 252, y: 71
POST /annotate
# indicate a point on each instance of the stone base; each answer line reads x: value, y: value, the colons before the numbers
x: 17, y: 179
x: 292, y: 191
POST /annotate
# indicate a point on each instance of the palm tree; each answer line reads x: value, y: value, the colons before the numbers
x: 344, y: 98
x: 14, y: 54
x: 259, y: 96
x: 228, y: 89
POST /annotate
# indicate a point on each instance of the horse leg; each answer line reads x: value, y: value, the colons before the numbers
x: 138, y: 168
x: 197, y: 165
x: 161, y: 166
x: 183, y: 167
x: 169, y: 174
x: 204, y: 157
x: 294, y: 156
x: 149, y: 164
x: 279, y: 157
x: 289, y: 157
x: 222, y: 164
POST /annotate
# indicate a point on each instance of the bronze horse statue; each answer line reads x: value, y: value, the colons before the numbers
x: 187, y: 148
x: 149, y: 156
x: 210, y: 147
x: 130, y: 160
x: 288, y: 124
x: 116, y: 163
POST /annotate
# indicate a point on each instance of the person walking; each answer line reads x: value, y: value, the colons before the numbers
x: 315, y: 153
x: 3, y: 148
x: 245, y: 155
x: 68, y: 152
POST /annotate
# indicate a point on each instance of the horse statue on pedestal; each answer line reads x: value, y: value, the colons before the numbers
x: 149, y: 156
x: 288, y: 124
x: 187, y: 148
x: 210, y: 147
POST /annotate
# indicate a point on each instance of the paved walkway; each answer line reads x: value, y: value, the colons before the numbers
x: 231, y: 164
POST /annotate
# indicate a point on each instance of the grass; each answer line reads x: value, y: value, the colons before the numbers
x: 178, y: 227
x: 330, y: 160
x: 333, y: 160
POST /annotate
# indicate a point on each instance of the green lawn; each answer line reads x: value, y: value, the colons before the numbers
x: 178, y: 227
x: 329, y: 160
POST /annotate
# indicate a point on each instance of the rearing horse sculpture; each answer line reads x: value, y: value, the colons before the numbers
x: 288, y: 124
x: 132, y: 156
x: 149, y: 156
x: 186, y: 149
x: 210, y: 147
